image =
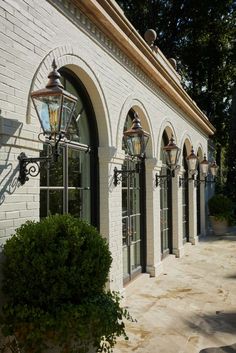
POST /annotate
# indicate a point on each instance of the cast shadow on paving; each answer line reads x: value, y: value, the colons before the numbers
x: 221, y: 322
x: 212, y: 238
x: 223, y: 349
x: 231, y: 276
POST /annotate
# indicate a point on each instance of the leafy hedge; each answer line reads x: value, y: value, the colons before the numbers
x: 220, y: 207
x: 54, y: 275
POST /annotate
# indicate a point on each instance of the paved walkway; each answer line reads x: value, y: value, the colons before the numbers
x: 191, y: 307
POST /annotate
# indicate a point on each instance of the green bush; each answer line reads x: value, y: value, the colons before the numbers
x: 220, y: 207
x: 54, y: 274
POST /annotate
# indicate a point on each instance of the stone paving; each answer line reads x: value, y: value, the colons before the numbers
x: 191, y: 307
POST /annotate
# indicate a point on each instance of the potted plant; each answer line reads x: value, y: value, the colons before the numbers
x: 54, y: 276
x: 220, y: 210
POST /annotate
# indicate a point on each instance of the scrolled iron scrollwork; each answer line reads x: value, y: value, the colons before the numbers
x: 30, y: 166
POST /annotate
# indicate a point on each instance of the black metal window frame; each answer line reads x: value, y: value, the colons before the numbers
x: 166, y: 186
x: 142, y: 204
x: 92, y: 149
x: 185, y: 199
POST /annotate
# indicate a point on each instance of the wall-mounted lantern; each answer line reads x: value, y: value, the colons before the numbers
x: 135, y: 141
x: 172, y: 153
x: 54, y: 107
x: 192, y: 162
x: 205, y: 166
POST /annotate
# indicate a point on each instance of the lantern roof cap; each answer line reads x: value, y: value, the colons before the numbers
x: 204, y: 161
x: 136, y: 127
x: 54, y: 86
x: 192, y: 155
x: 171, y: 145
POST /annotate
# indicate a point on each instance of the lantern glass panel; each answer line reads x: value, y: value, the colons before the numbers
x: 67, y: 112
x: 171, y: 156
x: 204, y: 168
x: 133, y: 145
x: 48, y: 110
x: 144, y: 144
x: 213, y: 170
x: 192, y: 164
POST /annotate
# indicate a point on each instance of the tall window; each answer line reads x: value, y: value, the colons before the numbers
x: 185, y: 200
x: 133, y: 214
x: 70, y: 185
x: 165, y: 203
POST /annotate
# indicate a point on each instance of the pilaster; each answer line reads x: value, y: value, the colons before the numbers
x: 154, y: 265
x: 111, y: 211
x: 177, y: 216
x: 203, y: 207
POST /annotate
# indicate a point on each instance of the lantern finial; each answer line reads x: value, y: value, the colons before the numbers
x: 192, y: 161
x: 54, y: 77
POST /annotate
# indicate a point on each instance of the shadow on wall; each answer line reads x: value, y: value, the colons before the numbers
x: 225, y: 349
x: 8, y: 175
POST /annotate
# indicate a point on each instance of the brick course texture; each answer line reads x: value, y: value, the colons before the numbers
x: 32, y: 33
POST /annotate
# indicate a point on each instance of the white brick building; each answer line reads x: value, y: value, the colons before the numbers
x: 114, y: 72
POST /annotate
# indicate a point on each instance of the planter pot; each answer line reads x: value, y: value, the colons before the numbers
x: 219, y: 227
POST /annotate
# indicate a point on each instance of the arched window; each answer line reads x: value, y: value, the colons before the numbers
x: 133, y: 214
x: 165, y: 203
x: 70, y: 185
x: 185, y: 199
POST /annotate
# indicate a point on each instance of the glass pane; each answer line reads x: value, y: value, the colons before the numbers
x: 135, y: 227
x: 134, y: 201
x: 43, y: 203
x: 74, y: 168
x: 125, y: 261
x: 51, y: 202
x: 127, y: 125
x: 135, y: 255
x: 79, y: 128
x: 124, y: 203
x: 79, y: 203
x: 78, y: 168
x: 44, y: 169
x: 56, y: 170
x: 55, y: 202
x: 51, y: 173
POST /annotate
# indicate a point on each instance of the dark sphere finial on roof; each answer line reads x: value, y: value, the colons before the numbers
x: 150, y: 36
x: 173, y: 63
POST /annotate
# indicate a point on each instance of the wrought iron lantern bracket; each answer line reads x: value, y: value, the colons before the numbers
x: 32, y: 165
x: 161, y: 179
x: 122, y: 174
x: 183, y: 181
x: 36, y: 164
x: 205, y: 180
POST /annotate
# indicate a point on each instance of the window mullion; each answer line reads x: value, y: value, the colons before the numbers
x: 65, y: 179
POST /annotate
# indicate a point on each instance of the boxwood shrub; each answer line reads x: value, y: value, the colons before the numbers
x: 54, y: 275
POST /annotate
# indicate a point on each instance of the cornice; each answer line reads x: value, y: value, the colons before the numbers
x: 104, y: 20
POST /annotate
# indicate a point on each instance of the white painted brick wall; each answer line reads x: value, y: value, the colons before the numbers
x: 29, y: 31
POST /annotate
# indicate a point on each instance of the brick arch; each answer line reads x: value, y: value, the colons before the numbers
x: 69, y: 57
x: 199, y: 152
x: 187, y: 141
x: 170, y: 130
x: 136, y: 104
